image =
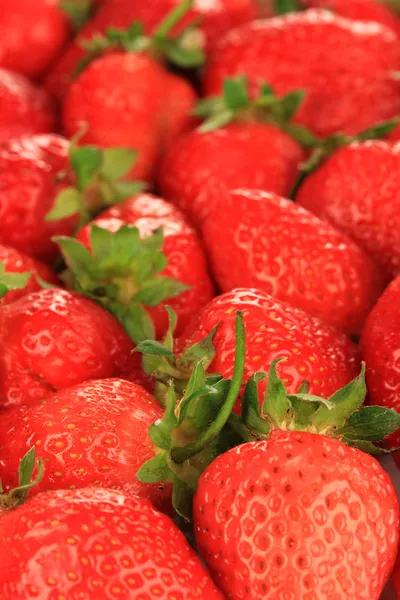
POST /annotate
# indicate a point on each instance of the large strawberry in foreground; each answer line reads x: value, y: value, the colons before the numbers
x: 341, y: 65
x: 96, y: 544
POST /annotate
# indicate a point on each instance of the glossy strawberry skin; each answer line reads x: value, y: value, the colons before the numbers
x: 33, y: 171
x: 299, y: 515
x: 379, y: 343
x: 55, y: 339
x: 93, y: 434
x: 314, y: 352
x: 124, y: 100
x: 25, y: 109
x: 216, y: 17
x: 97, y: 544
x: 31, y: 35
x: 256, y: 239
x: 17, y: 262
x: 251, y: 155
x: 182, y: 248
x: 356, y: 190
x: 329, y: 53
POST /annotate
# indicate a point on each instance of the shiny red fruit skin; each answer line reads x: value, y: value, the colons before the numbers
x: 342, y: 65
x: 25, y: 109
x: 33, y: 171
x: 97, y: 544
x: 182, y: 248
x: 380, y: 350
x: 299, y: 516
x: 55, y: 339
x: 17, y: 262
x: 31, y: 35
x: 250, y: 155
x: 359, y: 10
x: 217, y: 17
x: 314, y: 351
x: 125, y: 100
x: 257, y: 239
x: 93, y: 434
x: 356, y: 190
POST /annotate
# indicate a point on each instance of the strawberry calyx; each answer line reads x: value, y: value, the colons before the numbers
x: 98, y: 180
x: 184, y: 49
x: 282, y: 7
x: 121, y: 272
x: 12, y: 281
x: 19, y: 495
x: 236, y: 105
x: 77, y: 11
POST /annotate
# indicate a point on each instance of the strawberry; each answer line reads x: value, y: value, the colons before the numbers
x: 20, y: 274
x: 97, y: 544
x: 329, y: 52
x: 216, y: 17
x: 24, y: 108
x: 95, y: 433
x: 256, y: 239
x: 242, y: 143
x: 54, y: 339
x: 122, y: 272
x: 396, y: 577
x: 356, y: 190
x: 32, y: 35
x: 37, y: 195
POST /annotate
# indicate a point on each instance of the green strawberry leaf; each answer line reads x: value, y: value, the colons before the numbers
x: 19, y: 495
x: 68, y: 203
x: 154, y: 470
x: 283, y: 7
x: 86, y: 161
x: 251, y: 406
x: 155, y: 291
x: 117, y: 162
x: 154, y: 348
x: 276, y: 404
x: 370, y: 423
x: 12, y: 281
x: 78, y: 11
x: 236, y: 93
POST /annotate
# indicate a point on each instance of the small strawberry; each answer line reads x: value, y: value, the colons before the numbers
x: 215, y: 17
x: 21, y: 274
x: 97, y: 544
x: 126, y: 274
x: 48, y: 186
x: 54, y: 339
x: 24, y: 108
x: 356, y: 190
x: 329, y: 52
x: 243, y: 143
x: 95, y: 433
x: 260, y: 240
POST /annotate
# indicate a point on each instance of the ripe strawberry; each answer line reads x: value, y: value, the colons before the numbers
x: 313, y: 41
x: 260, y: 240
x: 396, y: 577
x: 54, y: 339
x: 178, y: 275
x: 95, y: 433
x: 217, y: 16
x: 24, y: 108
x: 19, y: 274
x: 31, y: 35
x: 97, y: 544
x: 356, y: 190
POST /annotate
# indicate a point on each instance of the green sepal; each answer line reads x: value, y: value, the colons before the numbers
x: 69, y: 202
x: 12, y: 281
x: 154, y: 470
x: 77, y: 11
x: 276, y: 403
x: 19, y: 495
x: 282, y: 7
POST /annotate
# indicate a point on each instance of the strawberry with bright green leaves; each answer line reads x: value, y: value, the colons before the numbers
x: 48, y: 187
x: 136, y: 257
x: 126, y: 97
x: 242, y: 143
x: 96, y: 544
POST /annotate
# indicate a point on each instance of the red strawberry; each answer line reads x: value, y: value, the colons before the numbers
x: 31, y: 35
x: 396, y: 577
x: 380, y: 350
x: 256, y: 239
x: 182, y: 264
x: 19, y: 276
x: 314, y: 352
x: 329, y: 52
x: 24, y: 108
x: 356, y: 190
x: 217, y: 16
x: 297, y: 516
x: 95, y: 433
x: 53, y: 339
x: 97, y: 544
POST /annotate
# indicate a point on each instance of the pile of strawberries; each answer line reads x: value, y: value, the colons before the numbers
x: 200, y: 299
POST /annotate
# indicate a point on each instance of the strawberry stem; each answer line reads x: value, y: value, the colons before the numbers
x: 173, y: 18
